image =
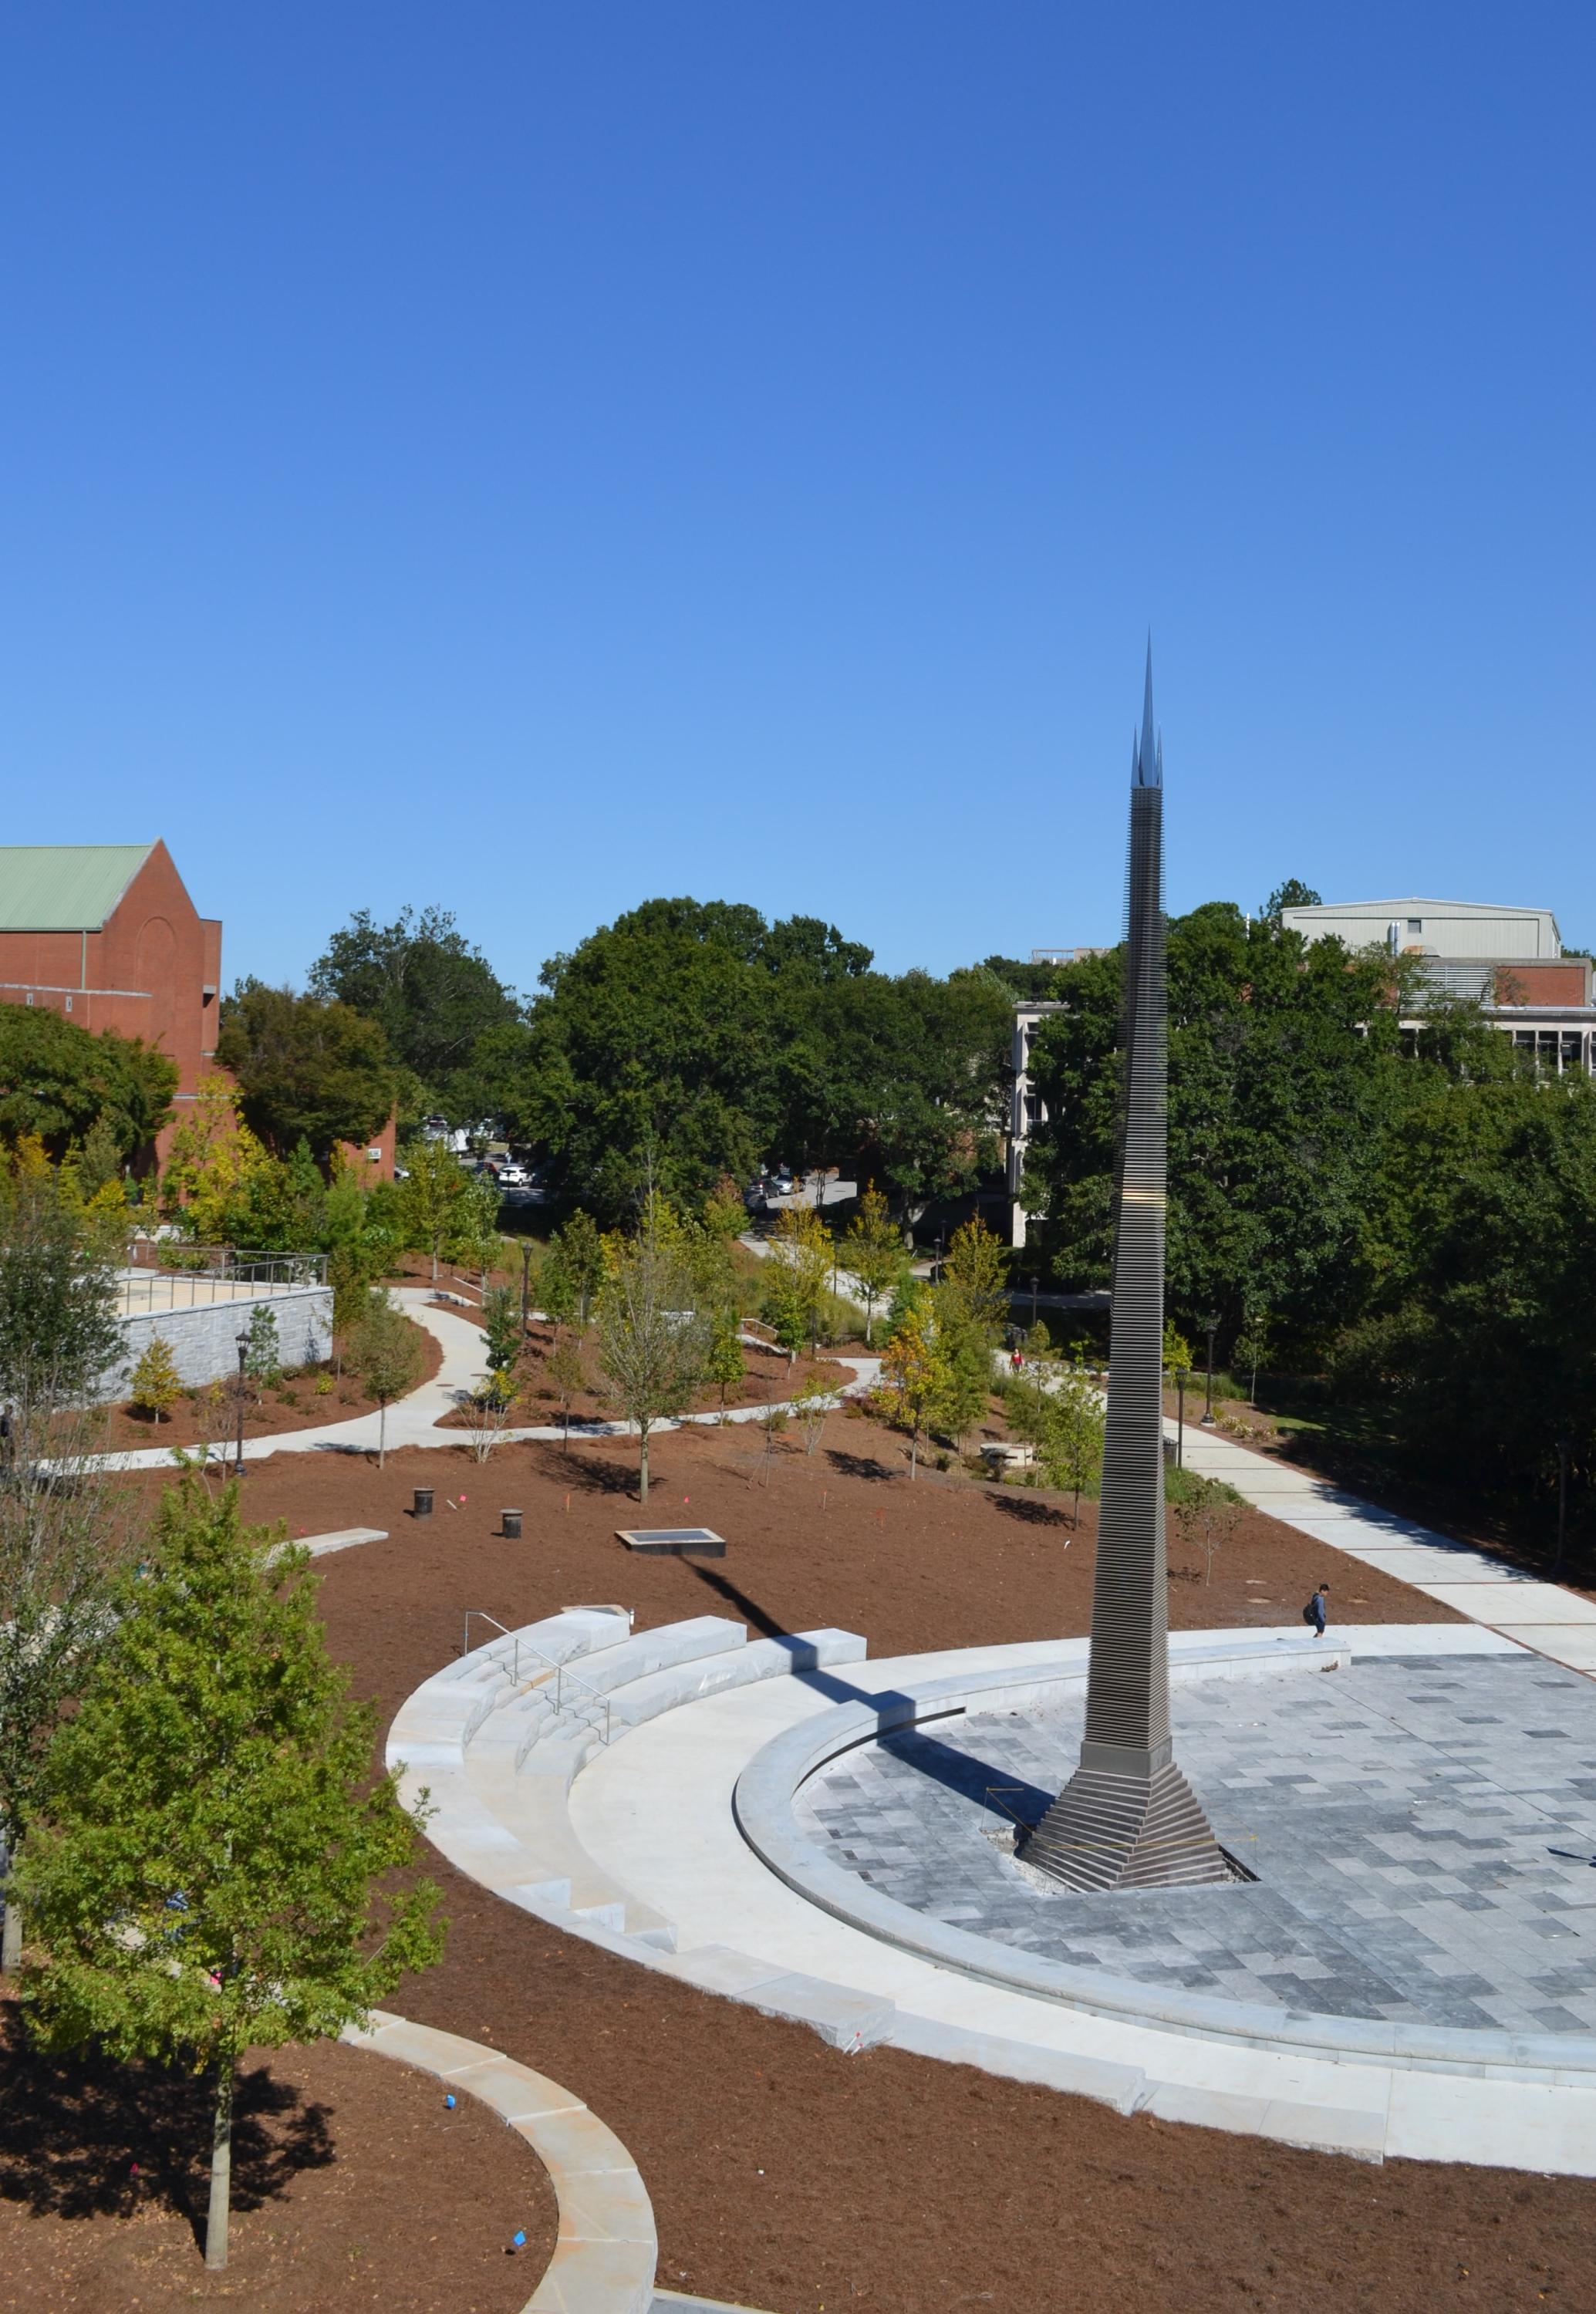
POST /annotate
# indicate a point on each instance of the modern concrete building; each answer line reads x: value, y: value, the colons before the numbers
x: 1027, y: 1110
x: 1512, y: 959
x: 107, y: 935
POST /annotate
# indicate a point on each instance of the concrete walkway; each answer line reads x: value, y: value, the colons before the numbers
x: 417, y: 1420
x: 605, y: 2254
x: 1554, y: 1622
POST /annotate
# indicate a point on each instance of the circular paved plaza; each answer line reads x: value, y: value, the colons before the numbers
x: 1419, y: 1832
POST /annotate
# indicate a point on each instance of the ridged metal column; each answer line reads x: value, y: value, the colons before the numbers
x: 1127, y: 1818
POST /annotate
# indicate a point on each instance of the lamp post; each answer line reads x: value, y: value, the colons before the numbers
x: 1210, y: 1327
x: 1181, y: 1379
x: 243, y: 1352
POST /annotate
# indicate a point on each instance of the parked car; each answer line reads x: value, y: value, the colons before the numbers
x: 514, y: 1177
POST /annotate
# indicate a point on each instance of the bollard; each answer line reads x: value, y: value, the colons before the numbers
x: 423, y: 1503
x: 509, y: 1525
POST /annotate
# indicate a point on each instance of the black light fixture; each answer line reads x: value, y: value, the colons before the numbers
x: 1210, y: 1327
x: 243, y: 1352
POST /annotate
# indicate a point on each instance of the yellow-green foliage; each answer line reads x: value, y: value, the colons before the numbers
x: 157, y: 1384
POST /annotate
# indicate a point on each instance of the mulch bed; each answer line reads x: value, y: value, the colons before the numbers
x: 770, y: 1378
x: 352, y: 2186
x: 190, y: 1422
x: 784, y: 2175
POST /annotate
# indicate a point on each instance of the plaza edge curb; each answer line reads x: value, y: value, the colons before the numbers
x: 762, y: 1805
x: 607, y: 2248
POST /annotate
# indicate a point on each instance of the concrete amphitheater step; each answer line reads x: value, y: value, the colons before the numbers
x: 499, y: 1755
x: 530, y: 1798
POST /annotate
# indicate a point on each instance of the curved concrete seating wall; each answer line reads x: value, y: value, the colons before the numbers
x: 502, y: 1735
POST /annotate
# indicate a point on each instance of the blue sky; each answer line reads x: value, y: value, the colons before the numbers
x: 532, y: 458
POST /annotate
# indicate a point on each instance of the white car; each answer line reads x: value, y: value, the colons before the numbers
x: 514, y: 1177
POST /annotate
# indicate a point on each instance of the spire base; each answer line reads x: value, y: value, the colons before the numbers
x: 1130, y: 1824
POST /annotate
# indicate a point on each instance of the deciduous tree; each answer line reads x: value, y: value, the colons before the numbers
x: 651, y: 1338
x: 433, y: 1198
x: 307, y: 1068
x: 872, y: 1250
x: 389, y: 1352
x: 206, y: 1872
x: 915, y: 1371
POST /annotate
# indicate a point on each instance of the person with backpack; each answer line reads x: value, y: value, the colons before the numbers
x: 1314, y: 1613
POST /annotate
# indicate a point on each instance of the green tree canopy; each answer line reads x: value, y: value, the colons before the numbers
x: 1289, y: 895
x: 203, y: 1877
x: 1288, y: 1068
x: 307, y: 1068
x: 700, y: 1040
x: 434, y: 996
x: 1474, y: 1325
x: 58, y: 1081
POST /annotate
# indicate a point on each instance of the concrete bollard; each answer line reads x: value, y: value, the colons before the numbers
x: 510, y: 1525
x: 422, y: 1507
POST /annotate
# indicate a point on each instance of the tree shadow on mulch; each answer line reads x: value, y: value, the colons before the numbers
x: 859, y: 1466
x: 85, y: 2138
x: 1029, y: 1511
x: 588, y: 1474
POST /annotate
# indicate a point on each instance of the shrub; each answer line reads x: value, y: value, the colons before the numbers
x: 157, y: 1383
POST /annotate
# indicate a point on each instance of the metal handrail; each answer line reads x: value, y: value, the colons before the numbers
x: 513, y: 1636
x: 550, y: 1663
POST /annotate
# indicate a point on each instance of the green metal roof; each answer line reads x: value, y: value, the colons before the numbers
x: 64, y: 888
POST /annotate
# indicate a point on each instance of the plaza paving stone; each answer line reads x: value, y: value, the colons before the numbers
x: 1399, y: 1816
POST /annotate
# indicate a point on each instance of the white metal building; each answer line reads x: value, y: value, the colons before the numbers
x: 1439, y: 928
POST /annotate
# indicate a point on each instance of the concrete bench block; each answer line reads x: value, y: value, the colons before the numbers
x: 844, y: 2019
x: 342, y: 1539
x: 1122, y: 2087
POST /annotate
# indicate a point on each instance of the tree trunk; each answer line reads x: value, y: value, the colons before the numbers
x: 10, y: 1938
x: 643, y: 1467
x: 221, y: 2172
x: 382, y: 1433
x: 434, y: 1265
x: 914, y: 1445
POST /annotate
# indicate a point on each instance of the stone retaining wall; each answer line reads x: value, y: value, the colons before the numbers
x: 204, y: 1342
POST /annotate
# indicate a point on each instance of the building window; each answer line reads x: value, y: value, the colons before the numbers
x: 1416, y: 923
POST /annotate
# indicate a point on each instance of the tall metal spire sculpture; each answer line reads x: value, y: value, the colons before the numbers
x: 1127, y: 1818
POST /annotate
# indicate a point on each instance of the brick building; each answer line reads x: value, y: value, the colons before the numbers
x: 106, y: 934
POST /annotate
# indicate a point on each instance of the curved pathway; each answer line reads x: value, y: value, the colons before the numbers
x: 417, y: 1420
x: 604, y: 2259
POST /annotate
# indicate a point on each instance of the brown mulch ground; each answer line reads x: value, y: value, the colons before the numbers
x: 788, y: 2176
x: 352, y: 2186
x: 196, y: 1418
x: 769, y: 1377
x: 888, y: 2181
